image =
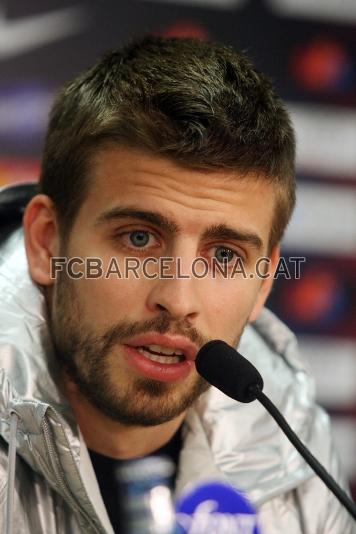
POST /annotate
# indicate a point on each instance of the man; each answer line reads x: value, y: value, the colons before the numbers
x: 166, y: 149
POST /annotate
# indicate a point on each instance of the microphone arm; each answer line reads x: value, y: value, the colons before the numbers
x: 225, y: 368
x: 302, y: 449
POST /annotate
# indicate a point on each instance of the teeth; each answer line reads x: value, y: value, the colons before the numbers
x: 164, y: 350
x: 157, y: 358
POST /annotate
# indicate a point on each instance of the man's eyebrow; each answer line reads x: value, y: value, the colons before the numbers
x: 221, y: 231
x: 119, y: 212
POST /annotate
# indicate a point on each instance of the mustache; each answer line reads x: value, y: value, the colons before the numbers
x: 162, y: 325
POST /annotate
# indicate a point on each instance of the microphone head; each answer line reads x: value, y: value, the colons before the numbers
x: 223, y: 367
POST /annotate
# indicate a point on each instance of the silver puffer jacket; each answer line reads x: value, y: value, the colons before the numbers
x: 52, y: 489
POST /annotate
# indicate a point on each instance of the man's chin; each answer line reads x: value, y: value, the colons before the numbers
x: 154, y: 414
x: 148, y: 403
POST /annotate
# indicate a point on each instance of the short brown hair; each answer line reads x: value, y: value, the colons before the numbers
x: 200, y: 104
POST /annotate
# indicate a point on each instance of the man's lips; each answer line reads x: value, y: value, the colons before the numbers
x: 179, y: 343
x: 166, y: 370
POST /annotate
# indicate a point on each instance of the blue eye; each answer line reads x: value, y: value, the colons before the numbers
x: 224, y: 255
x: 139, y: 238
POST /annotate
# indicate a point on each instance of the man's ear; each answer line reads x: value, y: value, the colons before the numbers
x: 41, y: 238
x: 267, y: 282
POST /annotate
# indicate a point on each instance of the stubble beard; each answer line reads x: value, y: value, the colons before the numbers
x: 89, y: 361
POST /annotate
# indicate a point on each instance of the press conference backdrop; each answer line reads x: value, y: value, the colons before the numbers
x: 309, y: 50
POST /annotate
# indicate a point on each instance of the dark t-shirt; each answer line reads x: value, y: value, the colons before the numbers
x: 106, y: 468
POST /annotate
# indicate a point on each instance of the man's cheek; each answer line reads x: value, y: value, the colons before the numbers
x: 107, y: 299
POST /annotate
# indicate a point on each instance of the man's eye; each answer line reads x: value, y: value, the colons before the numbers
x: 224, y: 254
x: 139, y: 238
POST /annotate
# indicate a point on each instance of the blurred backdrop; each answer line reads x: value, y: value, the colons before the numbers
x: 309, y: 51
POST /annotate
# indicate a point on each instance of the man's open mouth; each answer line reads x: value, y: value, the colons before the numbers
x: 157, y: 353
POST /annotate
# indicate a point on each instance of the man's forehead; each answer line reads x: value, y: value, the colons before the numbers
x: 114, y: 158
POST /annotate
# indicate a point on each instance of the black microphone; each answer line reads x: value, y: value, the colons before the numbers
x: 223, y: 367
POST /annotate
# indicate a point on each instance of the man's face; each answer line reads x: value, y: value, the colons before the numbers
x: 117, y: 335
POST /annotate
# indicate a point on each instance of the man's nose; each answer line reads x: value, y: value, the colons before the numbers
x: 175, y: 292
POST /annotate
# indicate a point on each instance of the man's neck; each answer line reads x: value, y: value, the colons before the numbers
x: 110, y: 438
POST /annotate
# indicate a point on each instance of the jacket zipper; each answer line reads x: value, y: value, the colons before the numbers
x: 59, y: 473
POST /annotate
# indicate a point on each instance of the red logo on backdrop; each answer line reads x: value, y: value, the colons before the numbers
x: 186, y: 28
x: 314, y: 296
x: 322, y: 65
